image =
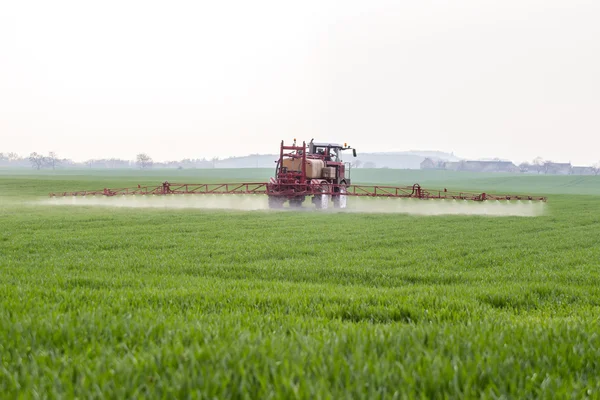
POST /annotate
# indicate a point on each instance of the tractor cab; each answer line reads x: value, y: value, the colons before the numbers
x: 331, y: 152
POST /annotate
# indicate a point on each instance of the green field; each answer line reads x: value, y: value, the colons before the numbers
x: 135, y: 302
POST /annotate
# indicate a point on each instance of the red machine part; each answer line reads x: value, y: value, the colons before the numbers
x: 298, y: 189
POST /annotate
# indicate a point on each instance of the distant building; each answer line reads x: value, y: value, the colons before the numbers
x: 489, y: 166
x: 552, y: 168
x: 472, y: 166
x: 430, y: 163
x: 453, y: 165
x: 549, y: 168
x: 583, y: 171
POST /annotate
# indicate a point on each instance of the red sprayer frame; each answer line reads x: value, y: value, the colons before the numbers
x: 415, y: 191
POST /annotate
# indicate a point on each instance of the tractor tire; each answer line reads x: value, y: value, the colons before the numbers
x: 340, y: 200
x: 321, y: 201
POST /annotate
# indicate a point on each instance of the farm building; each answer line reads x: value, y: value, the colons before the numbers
x: 489, y: 166
x: 452, y: 165
x: 472, y: 166
x: 583, y: 171
x: 431, y: 163
x: 552, y: 168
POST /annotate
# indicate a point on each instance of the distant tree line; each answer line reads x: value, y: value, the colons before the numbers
x: 39, y: 161
x: 51, y: 160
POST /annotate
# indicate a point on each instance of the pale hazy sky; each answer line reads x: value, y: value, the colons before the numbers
x: 509, y: 79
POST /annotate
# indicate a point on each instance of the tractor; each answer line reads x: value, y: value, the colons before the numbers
x: 316, y: 171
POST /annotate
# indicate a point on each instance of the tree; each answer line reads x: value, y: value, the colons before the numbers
x: 116, y: 163
x: 538, y: 164
x: 356, y: 164
x: 9, y: 157
x: 524, y: 166
x: 596, y: 168
x: 52, y: 160
x: 546, y: 166
x: 37, y: 160
x: 144, y: 160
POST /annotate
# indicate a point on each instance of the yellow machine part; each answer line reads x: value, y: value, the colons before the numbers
x: 314, y: 168
x: 329, y: 173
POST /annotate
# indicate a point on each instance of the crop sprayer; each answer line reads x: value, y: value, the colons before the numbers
x: 302, y: 171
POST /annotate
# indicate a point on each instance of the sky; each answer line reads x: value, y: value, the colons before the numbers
x: 192, y: 79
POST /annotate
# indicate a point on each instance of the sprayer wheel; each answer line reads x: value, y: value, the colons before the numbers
x: 339, y: 200
x: 322, y: 200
